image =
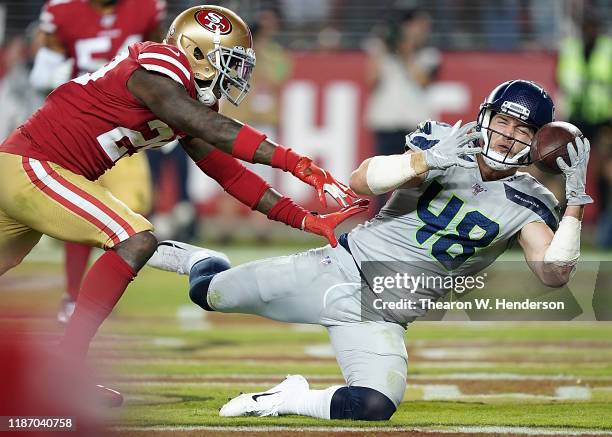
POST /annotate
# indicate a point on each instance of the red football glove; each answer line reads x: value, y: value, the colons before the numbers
x: 324, y: 225
x: 323, y: 182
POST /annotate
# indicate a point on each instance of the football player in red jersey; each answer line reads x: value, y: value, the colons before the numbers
x: 146, y: 97
x: 79, y: 37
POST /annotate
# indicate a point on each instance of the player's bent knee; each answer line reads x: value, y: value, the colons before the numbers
x: 8, y: 262
x: 6, y: 265
x: 137, y: 249
x: 361, y: 403
x: 201, y: 276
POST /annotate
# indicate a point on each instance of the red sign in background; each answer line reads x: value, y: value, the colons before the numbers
x: 479, y: 72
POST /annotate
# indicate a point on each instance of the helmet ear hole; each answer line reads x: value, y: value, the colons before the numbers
x: 197, y: 53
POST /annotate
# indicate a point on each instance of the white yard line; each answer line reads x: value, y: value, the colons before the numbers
x: 513, y: 430
x: 430, y: 392
x: 240, y: 378
x: 522, y: 430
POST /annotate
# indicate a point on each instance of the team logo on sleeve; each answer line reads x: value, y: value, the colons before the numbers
x: 213, y: 20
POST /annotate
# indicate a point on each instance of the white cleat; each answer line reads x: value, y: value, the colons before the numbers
x: 265, y: 403
x: 66, y: 310
x: 174, y: 256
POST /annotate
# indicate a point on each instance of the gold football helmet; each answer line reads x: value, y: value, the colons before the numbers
x: 219, y: 47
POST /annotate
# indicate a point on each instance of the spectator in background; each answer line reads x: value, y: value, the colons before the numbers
x: 501, y: 24
x: 604, y: 144
x: 399, y: 75
x: 306, y: 12
x: 261, y: 107
x: 584, y: 73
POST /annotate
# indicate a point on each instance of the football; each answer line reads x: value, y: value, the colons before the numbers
x: 550, y: 142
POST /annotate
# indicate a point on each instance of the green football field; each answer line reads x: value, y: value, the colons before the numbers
x: 177, y: 365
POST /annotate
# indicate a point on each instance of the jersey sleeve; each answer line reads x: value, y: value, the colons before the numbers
x: 49, y: 17
x: 532, y: 195
x: 168, y: 61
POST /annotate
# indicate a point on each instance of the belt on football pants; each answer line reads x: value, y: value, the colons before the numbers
x: 343, y: 241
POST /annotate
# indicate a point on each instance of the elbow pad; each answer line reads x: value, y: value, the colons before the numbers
x: 386, y: 173
x: 51, y: 69
x: 564, y: 248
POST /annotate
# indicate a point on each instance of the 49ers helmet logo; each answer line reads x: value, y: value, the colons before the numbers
x: 213, y: 20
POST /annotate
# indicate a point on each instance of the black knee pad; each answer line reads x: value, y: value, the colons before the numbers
x: 200, y: 278
x: 361, y: 403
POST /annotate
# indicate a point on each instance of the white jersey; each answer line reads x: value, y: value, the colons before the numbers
x: 454, y: 221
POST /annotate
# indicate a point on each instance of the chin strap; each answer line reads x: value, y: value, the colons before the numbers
x: 206, y: 95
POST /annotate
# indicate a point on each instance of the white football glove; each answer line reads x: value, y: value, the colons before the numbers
x: 449, y: 150
x: 575, y: 173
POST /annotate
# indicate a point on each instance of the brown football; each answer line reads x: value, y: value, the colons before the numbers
x: 550, y: 142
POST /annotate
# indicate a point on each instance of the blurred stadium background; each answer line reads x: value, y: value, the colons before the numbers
x: 325, y: 69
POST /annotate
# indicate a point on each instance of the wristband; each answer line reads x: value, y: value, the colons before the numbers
x: 386, y: 173
x: 285, y: 159
x: 564, y: 248
x: 246, y: 143
x: 288, y: 212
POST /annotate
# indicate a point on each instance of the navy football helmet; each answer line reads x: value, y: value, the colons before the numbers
x: 522, y: 99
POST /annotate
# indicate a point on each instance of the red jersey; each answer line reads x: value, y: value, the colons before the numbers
x: 89, y: 123
x: 93, y: 38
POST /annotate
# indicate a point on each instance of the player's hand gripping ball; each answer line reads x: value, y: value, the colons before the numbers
x: 550, y: 142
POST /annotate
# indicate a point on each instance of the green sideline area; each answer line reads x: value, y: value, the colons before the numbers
x: 177, y: 365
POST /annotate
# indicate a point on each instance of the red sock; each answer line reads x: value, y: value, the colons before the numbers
x: 102, y: 288
x: 77, y: 256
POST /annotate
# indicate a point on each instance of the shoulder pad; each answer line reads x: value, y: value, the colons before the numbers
x: 167, y: 60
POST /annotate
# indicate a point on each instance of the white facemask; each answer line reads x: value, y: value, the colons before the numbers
x: 493, y: 159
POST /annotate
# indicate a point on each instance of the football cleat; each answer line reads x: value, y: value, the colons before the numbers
x: 66, y: 310
x: 265, y: 403
x: 174, y: 256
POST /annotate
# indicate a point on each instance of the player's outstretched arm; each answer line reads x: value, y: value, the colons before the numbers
x: 553, y: 256
x: 381, y: 174
x: 535, y: 239
x: 253, y: 191
x: 169, y: 101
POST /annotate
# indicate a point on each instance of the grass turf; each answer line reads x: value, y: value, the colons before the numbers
x: 176, y: 368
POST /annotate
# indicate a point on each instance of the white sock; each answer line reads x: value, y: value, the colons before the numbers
x: 313, y: 403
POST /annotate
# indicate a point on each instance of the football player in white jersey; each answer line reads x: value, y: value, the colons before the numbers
x: 458, y: 202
